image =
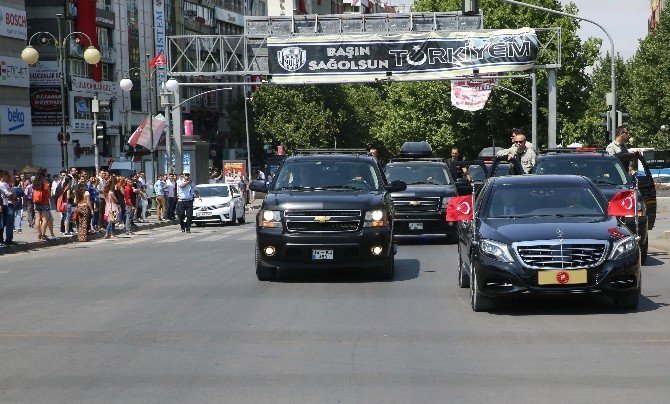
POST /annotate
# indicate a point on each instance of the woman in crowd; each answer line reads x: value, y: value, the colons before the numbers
x: 144, y: 202
x: 68, y: 199
x: 18, y: 204
x: 41, y: 197
x: 119, y: 183
x: 83, y: 209
x: 94, y: 196
x: 111, y: 207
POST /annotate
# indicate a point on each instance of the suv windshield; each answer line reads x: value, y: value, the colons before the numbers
x: 418, y: 174
x: 527, y: 201
x: 599, y: 170
x: 312, y: 174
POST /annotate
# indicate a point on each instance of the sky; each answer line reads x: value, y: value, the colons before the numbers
x: 625, y: 20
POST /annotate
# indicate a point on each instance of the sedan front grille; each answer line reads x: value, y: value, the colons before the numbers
x: 322, y: 220
x: 561, y: 254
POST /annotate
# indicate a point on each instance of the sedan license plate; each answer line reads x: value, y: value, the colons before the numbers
x: 322, y: 254
x: 202, y: 214
x: 561, y: 277
x: 416, y: 226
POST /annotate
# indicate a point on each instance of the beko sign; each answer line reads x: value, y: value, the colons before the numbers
x: 15, y: 120
x: 13, y: 23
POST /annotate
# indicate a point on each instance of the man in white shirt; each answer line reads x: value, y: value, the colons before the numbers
x: 7, y: 197
x: 170, y: 193
x: 186, y: 192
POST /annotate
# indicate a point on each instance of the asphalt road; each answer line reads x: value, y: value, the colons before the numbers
x: 168, y: 317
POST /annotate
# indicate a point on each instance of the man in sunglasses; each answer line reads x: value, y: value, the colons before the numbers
x: 619, y: 143
x: 520, y: 151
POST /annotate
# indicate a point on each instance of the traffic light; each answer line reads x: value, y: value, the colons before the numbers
x: 622, y: 119
x: 470, y: 7
x: 101, y: 131
x: 606, y: 121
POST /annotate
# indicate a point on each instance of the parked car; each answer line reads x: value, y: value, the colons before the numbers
x: 218, y: 203
x: 546, y: 235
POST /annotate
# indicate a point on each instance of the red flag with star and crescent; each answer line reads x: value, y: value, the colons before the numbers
x: 459, y: 208
x: 158, y: 60
x: 622, y: 204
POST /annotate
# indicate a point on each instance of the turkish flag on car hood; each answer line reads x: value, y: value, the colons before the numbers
x: 459, y: 208
x: 622, y: 204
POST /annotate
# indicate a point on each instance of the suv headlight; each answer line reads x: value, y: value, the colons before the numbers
x: 623, y: 247
x: 375, y: 218
x: 270, y: 218
x: 445, y: 201
x: 495, y: 250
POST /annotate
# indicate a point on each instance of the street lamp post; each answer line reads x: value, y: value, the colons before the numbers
x: 613, y: 66
x: 126, y: 85
x: 31, y: 56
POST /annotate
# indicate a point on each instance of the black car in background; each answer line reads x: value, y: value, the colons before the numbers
x: 326, y: 209
x: 611, y: 175
x: 420, y: 209
x: 546, y: 234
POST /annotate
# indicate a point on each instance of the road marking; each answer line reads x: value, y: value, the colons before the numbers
x: 175, y: 239
x: 132, y: 241
x: 215, y: 237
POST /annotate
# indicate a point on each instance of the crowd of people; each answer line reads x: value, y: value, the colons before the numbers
x: 87, y: 204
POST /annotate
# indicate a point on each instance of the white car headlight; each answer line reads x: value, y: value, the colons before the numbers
x: 623, y: 247
x: 223, y: 205
x: 495, y: 250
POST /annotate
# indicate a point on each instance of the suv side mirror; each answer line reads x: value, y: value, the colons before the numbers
x: 396, y: 186
x: 258, y: 186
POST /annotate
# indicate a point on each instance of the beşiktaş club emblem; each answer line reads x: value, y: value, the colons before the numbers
x: 292, y: 58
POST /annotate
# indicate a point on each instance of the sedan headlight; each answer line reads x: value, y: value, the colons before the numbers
x: 270, y: 218
x: 375, y: 218
x: 495, y: 250
x: 223, y: 205
x: 623, y: 247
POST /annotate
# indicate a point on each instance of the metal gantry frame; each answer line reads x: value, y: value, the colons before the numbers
x: 231, y: 60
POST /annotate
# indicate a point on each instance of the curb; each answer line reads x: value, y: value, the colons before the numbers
x: 36, y: 245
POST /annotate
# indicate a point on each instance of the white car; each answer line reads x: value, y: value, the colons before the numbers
x: 218, y: 203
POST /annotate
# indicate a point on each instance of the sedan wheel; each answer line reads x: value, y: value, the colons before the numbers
x: 233, y: 216
x: 477, y: 300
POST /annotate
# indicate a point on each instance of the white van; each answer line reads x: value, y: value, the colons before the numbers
x: 124, y: 168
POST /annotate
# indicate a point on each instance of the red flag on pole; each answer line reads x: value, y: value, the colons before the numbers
x: 158, y: 60
x: 623, y: 204
x: 459, y: 208
x: 86, y: 16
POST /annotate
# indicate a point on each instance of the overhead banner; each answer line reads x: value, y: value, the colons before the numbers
x: 471, y: 95
x: 402, y: 57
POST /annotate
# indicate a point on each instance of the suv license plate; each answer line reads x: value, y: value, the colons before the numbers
x: 322, y: 254
x: 416, y: 226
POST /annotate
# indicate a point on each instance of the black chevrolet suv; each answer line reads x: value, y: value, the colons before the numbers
x: 326, y: 209
x: 611, y: 175
x: 420, y: 209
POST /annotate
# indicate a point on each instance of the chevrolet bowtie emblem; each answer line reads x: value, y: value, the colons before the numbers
x: 415, y: 203
x: 322, y: 219
x: 559, y: 233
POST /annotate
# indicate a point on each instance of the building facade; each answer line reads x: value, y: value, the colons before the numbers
x: 15, y: 122
x: 657, y: 6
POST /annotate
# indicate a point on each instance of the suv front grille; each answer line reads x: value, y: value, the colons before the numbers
x: 321, y: 220
x: 416, y: 205
x: 561, y: 254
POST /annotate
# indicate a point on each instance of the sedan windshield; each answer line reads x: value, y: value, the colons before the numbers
x: 600, y: 171
x: 519, y: 201
x: 418, y: 174
x: 220, y: 191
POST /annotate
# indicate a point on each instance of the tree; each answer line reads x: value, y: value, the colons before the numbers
x: 650, y: 101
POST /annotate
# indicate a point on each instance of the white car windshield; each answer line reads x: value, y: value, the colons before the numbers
x: 218, y: 192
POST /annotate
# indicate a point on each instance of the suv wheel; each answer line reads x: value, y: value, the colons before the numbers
x: 463, y: 278
x: 644, y: 249
x: 264, y: 273
x: 478, y: 301
x: 387, y: 272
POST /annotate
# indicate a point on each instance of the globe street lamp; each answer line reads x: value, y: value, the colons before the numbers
x: 126, y: 85
x: 31, y: 56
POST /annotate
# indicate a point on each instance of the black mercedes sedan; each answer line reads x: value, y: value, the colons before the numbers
x: 546, y: 234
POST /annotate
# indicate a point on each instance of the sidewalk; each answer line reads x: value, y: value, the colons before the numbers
x: 27, y: 239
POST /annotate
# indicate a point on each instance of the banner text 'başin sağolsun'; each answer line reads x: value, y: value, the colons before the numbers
x: 405, y: 57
